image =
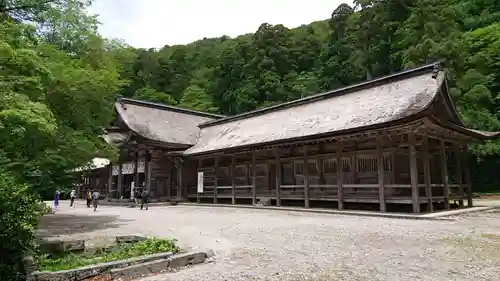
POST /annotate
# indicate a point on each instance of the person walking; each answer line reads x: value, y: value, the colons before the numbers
x: 145, y: 198
x: 88, y: 194
x: 95, y: 198
x: 72, y: 197
x: 56, y: 199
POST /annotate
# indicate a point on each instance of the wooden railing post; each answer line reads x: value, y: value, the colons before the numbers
x: 340, y: 175
x: 306, y: 177
x: 380, y: 167
x: 427, y: 174
x: 413, y: 173
x: 233, y: 179
x: 278, y: 179
x: 444, y: 174
x: 458, y: 156
x: 254, y: 178
x: 216, y: 165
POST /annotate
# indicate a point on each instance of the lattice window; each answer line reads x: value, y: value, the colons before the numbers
x: 299, y: 168
x: 366, y: 164
x: 329, y: 166
x: 387, y: 162
x: 260, y: 174
x: 346, y: 165
x: 312, y: 166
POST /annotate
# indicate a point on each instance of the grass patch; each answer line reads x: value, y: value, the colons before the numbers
x: 66, y: 260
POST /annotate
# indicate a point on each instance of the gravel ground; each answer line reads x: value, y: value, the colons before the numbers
x: 278, y: 245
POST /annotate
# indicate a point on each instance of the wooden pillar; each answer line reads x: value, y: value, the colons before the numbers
x: 136, y: 169
x: 380, y: 169
x: 233, y: 179
x: 458, y: 158
x: 254, y: 178
x: 278, y: 178
x: 147, y: 169
x: 216, y: 165
x: 110, y: 181
x: 119, y: 187
x: 180, y: 184
x: 444, y: 174
x: 413, y: 174
x: 340, y: 176
x: 200, y: 165
x: 427, y: 173
x: 306, y: 177
x: 468, y: 182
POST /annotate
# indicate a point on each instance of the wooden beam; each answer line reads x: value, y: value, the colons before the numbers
x: 216, y: 166
x: 306, y: 177
x: 380, y: 169
x: 468, y: 182
x: 458, y: 158
x: 427, y: 174
x: 444, y: 174
x: 278, y: 179
x: 254, y: 179
x: 233, y: 179
x: 413, y: 174
x: 340, y: 175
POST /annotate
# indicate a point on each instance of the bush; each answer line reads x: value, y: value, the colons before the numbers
x: 19, y: 215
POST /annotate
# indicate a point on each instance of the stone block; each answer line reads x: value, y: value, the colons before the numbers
x: 63, y: 275
x: 139, y: 270
x: 129, y: 238
x: 29, y: 265
x: 74, y: 245
x: 51, y: 246
x: 181, y: 260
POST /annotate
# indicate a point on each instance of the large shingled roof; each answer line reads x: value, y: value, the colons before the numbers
x: 163, y: 123
x: 376, y: 102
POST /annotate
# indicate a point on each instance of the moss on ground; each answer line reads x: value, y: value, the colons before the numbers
x: 66, y: 260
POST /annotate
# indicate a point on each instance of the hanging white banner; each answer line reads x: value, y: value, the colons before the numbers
x: 200, y: 182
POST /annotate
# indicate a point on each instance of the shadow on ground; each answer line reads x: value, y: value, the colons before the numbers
x: 67, y: 224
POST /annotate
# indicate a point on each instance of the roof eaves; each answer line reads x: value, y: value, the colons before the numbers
x: 169, y: 107
x: 340, y: 91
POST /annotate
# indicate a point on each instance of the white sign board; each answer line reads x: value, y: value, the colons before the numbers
x: 200, y: 182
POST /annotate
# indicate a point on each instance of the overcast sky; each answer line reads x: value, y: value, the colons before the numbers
x: 155, y: 23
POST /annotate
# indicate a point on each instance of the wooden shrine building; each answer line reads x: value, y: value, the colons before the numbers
x: 392, y: 143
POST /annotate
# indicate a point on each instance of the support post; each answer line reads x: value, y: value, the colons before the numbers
x: 233, y: 179
x: 254, y: 178
x: 110, y: 181
x: 427, y: 174
x: 458, y: 156
x: 216, y: 166
x: 444, y: 174
x: 413, y: 174
x: 180, y: 186
x: 278, y: 178
x: 340, y: 176
x: 119, y: 187
x: 468, y: 182
x: 148, y: 168
x: 136, y: 169
x: 380, y: 169
x: 306, y: 177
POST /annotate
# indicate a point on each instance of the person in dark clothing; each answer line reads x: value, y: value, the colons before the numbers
x: 145, y: 198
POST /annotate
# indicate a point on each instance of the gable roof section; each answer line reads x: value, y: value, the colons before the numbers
x: 375, y: 102
x: 163, y: 123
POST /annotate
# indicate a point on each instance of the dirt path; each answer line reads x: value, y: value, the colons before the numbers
x: 271, y: 245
